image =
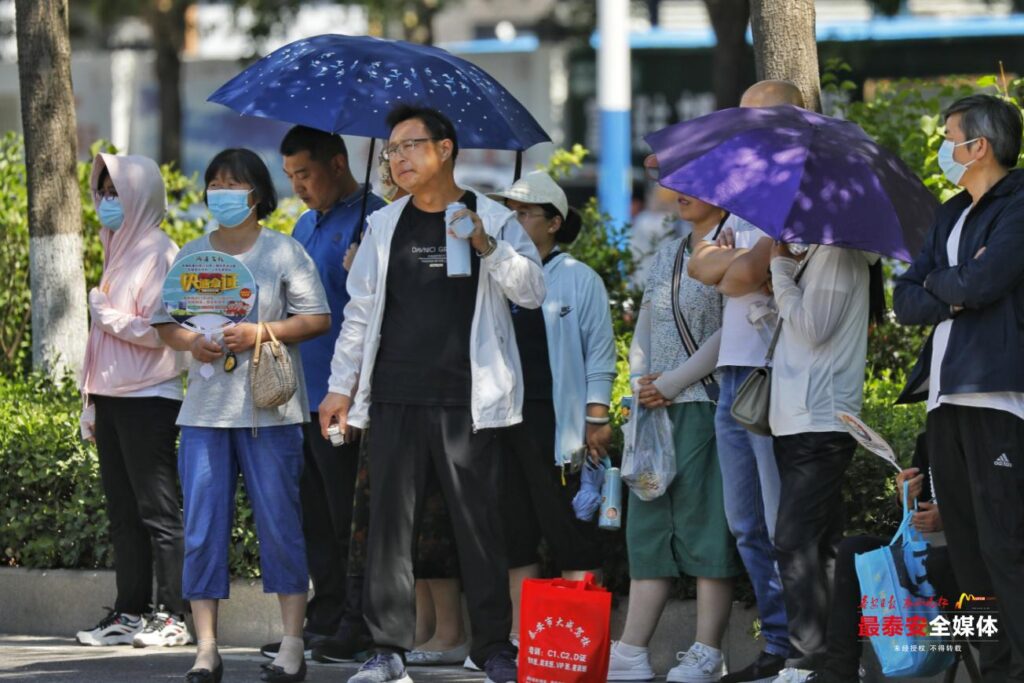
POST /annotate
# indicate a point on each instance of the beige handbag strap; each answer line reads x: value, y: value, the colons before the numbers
x: 273, y: 338
x: 275, y: 344
x: 259, y: 338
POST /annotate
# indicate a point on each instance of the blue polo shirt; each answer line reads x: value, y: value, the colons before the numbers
x: 326, y: 236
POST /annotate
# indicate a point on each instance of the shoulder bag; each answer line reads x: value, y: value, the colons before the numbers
x: 753, y: 399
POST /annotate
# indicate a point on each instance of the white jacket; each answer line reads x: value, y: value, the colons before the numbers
x: 512, y: 273
x: 818, y: 368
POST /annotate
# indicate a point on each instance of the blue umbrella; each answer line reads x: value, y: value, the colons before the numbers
x: 348, y: 84
x: 799, y: 176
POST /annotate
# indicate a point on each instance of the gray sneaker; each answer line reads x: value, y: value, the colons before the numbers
x: 382, y: 668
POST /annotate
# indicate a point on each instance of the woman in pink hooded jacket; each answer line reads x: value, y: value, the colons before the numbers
x: 131, y: 385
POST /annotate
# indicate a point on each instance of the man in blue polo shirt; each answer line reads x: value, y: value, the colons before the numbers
x: 317, y: 165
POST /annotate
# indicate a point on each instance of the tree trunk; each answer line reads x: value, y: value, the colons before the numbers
x: 167, y: 22
x: 729, y: 19
x: 785, y: 47
x: 56, y: 274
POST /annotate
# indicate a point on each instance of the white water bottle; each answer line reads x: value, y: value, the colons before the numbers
x: 457, y: 247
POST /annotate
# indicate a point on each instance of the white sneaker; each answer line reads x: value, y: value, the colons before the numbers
x: 792, y: 675
x: 699, y: 664
x: 114, y: 629
x: 623, y: 667
x: 163, y: 630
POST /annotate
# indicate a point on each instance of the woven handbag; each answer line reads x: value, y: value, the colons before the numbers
x: 271, y: 373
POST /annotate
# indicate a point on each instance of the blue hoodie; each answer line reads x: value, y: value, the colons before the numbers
x: 581, y: 348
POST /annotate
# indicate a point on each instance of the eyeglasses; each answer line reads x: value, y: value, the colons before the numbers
x: 403, y: 148
x: 107, y: 194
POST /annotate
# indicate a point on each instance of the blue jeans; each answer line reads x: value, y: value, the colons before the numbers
x: 750, y: 482
x: 209, y: 460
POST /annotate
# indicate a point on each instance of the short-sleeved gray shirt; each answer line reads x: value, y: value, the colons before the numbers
x: 287, y: 284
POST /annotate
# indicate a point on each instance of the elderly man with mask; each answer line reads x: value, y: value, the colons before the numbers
x: 968, y: 281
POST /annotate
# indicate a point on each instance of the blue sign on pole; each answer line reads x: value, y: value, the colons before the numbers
x: 614, y: 103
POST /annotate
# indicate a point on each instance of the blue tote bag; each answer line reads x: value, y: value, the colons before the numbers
x: 897, y: 571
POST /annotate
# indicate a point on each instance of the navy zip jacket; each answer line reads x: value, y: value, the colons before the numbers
x: 986, y: 342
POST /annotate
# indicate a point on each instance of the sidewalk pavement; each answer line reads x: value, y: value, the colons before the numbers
x: 62, y: 660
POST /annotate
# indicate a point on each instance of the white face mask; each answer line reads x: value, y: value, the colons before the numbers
x: 951, y: 168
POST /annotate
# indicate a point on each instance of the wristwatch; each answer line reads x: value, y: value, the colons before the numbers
x: 492, y: 244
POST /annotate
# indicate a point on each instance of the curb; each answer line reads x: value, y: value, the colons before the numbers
x: 58, y: 602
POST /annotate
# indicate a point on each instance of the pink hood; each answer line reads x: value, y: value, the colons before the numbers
x: 124, y: 353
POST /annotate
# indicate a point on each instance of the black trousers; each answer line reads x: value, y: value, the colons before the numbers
x: 135, y: 438
x: 977, y: 459
x: 407, y: 440
x: 535, y: 502
x: 326, y: 490
x: 809, y: 528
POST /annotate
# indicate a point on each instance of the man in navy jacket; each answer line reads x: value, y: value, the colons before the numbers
x: 968, y: 281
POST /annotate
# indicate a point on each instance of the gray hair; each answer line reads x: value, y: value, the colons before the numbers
x: 992, y: 118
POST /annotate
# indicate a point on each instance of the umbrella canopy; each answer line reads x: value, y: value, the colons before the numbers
x: 800, y: 176
x: 348, y: 84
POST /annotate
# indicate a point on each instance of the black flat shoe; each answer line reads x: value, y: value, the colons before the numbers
x: 205, y: 675
x: 276, y: 674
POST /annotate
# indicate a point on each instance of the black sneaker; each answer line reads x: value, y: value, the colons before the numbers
x: 309, y: 641
x: 501, y: 668
x: 349, y: 645
x: 825, y: 676
x: 763, y: 669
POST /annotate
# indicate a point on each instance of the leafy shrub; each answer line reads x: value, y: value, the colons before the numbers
x: 15, y: 312
x: 52, y: 507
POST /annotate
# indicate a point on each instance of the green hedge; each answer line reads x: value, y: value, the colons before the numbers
x: 51, y: 505
x: 52, y: 508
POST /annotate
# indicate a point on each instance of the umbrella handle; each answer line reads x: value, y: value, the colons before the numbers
x: 519, y: 165
x: 366, y: 192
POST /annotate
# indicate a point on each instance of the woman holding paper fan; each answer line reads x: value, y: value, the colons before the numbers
x: 223, y: 432
x: 684, y: 530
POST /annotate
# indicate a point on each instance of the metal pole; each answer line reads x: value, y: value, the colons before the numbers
x: 614, y: 101
x: 366, y: 191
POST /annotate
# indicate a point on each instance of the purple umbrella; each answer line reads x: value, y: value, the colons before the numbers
x: 799, y: 176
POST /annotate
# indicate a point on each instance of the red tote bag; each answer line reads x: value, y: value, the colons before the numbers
x: 564, y: 632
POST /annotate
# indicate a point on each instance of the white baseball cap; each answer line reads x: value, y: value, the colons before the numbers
x: 536, y: 188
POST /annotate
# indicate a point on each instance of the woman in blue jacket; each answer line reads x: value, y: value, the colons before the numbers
x: 567, y: 350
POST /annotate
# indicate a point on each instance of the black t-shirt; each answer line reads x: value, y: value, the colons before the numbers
x: 532, y: 340
x: 423, y: 357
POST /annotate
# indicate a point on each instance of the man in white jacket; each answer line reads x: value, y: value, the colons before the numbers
x: 432, y: 362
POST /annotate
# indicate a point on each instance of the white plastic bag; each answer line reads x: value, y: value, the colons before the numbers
x: 649, y: 459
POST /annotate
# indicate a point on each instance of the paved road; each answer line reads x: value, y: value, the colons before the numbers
x: 62, y: 660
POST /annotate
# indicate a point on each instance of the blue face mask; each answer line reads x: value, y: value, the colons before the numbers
x: 229, y: 207
x: 110, y: 213
x: 951, y: 168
